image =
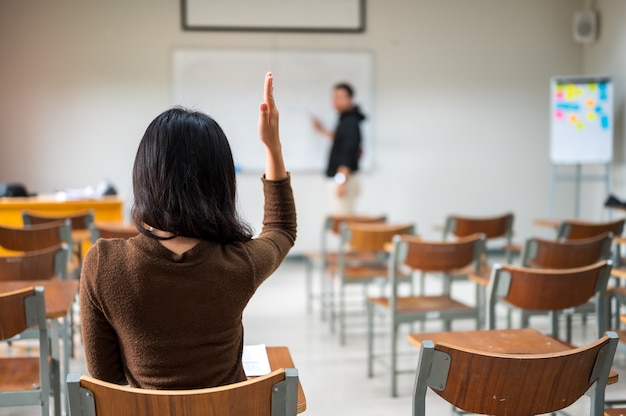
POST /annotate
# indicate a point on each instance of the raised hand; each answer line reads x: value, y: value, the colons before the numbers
x: 268, y: 132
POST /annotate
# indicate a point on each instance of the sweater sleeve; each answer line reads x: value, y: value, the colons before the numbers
x: 278, y: 235
x: 101, y: 344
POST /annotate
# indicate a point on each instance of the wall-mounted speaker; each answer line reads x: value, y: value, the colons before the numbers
x: 585, y: 26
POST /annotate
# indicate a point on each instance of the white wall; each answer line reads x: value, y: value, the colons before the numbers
x: 607, y: 56
x: 461, y: 100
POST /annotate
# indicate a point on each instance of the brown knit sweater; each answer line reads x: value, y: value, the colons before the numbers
x: 154, y: 319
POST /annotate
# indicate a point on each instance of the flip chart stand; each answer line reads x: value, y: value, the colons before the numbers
x: 578, y: 178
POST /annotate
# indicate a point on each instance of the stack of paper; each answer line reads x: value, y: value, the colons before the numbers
x: 255, y: 361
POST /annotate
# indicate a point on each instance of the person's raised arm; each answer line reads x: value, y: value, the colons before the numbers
x: 268, y: 133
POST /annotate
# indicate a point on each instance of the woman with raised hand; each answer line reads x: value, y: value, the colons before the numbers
x: 163, y: 310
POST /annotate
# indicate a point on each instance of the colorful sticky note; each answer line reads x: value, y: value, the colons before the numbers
x: 569, y: 92
x: 593, y: 87
x: 590, y: 103
x: 598, y: 109
x: 573, y: 118
x: 580, y: 126
x: 591, y: 116
x: 559, y: 95
x: 604, y: 121
x: 558, y: 114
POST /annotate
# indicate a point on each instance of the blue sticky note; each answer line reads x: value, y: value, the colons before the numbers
x: 568, y: 106
x: 604, y: 121
x: 598, y: 109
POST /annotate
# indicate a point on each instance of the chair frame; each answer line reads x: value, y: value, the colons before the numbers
x: 277, y: 390
x: 482, y: 382
x: 402, y: 256
x: 34, y: 310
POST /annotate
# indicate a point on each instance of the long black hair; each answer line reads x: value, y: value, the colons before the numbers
x: 184, y: 179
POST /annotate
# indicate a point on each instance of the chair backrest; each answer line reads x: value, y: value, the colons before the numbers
x: 333, y: 222
x: 112, y: 231
x: 35, y: 265
x: 372, y: 236
x: 566, y: 254
x: 500, y: 226
x: 271, y: 395
x: 35, y: 237
x: 19, y: 311
x: 549, y: 290
x: 79, y: 220
x: 575, y: 229
x: 514, y: 384
x: 438, y: 256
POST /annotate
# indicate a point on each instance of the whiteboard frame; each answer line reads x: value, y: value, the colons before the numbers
x: 297, y: 22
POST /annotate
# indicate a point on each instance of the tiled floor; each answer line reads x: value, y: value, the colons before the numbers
x: 333, y: 377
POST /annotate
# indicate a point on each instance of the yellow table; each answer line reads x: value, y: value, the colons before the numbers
x: 109, y: 208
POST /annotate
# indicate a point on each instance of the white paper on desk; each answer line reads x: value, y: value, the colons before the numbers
x: 255, y: 361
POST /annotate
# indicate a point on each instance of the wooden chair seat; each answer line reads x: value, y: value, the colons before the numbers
x: 422, y: 304
x: 367, y: 273
x: 615, y: 412
x: 19, y: 373
x: 333, y: 257
x: 622, y: 318
x: 619, y: 272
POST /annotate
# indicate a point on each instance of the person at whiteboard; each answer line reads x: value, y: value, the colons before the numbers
x: 343, y: 160
x: 163, y: 310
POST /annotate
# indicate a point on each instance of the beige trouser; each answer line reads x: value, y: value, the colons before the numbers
x: 345, y: 204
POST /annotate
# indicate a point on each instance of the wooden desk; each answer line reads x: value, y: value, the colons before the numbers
x: 501, y: 341
x: 280, y: 357
x: 105, y: 209
x: 554, y: 224
x: 59, y: 297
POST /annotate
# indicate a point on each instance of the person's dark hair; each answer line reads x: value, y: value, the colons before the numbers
x: 184, y: 179
x: 346, y: 87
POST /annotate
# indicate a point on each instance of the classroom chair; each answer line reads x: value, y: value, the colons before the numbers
x: 497, y: 227
x: 28, y: 380
x: 35, y: 265
x: 36, y: 237
x: 360, y: 239
x: 514, y: 384
x: 416, y: 255
x: 566, y: 254
x: 550, y: 290
x: 102, y: 230
x: 577, y: 229
x: 272, y: 395
x: 81, y: 223
x: 327, y: 258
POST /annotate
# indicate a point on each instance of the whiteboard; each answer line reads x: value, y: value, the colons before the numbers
x: 227, y: 84
x: 581, y: 121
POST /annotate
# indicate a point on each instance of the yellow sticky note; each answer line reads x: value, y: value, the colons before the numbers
x: 580, y: 126
x: 591, y: 116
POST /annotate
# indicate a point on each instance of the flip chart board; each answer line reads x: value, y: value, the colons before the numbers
x: 227, y: 84
x: 581, y: 121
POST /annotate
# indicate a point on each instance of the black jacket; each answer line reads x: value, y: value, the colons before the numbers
x: 346, y: 149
